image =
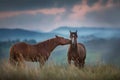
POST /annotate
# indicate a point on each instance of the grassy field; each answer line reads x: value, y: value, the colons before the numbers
x: 60, y: 72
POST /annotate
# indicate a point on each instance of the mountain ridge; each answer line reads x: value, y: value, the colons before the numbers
x: 84, y: 33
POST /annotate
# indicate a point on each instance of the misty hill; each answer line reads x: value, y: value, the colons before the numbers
x: 13, y: 34
x: 87, y: 33
x: 84, y: 33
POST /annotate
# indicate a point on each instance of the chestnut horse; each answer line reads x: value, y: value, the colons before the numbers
x: 77, y: 51
x: 21, y: 52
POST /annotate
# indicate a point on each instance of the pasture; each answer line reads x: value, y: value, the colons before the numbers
x: 60, y: 72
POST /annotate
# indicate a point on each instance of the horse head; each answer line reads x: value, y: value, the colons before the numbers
x: 73, y: 37
x: 62, y: 40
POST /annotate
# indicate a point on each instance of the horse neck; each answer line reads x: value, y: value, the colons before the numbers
x: 74, y: 46
x: 50, y: 44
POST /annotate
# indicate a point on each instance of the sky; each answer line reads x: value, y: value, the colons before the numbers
x: 46, y: 15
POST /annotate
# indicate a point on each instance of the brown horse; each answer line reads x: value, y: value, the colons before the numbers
x: 77, y: 51
x: 40, y: 52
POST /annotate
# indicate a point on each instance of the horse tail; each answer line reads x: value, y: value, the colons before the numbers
x: 12, y: 56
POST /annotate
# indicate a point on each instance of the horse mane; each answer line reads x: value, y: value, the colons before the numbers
x: 49, y: 44
x: 45, y: 42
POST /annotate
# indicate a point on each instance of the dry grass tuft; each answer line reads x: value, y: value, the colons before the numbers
x: 57, y: 72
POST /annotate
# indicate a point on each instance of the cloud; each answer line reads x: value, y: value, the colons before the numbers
x: 31, y: 22
x: 50, y: 11
x: 13, y: 5
x: 79, y: 11
x: 49, y: 14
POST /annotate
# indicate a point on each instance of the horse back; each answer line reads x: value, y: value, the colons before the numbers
x: 82, y: 45
x: 19, y: 49
x: 20, y: 46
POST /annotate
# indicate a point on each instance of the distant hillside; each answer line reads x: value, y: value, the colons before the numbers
x: 13, y: 34
x: 84, y: 33
x: 87, y: 33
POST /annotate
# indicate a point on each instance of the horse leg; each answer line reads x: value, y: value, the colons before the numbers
x: 12, y: 59
x: 69, y: 60
x: 21, y: 64
x: 76, y: 63
x: 41, y: 62
x: 21, y: 61
x: 81, y: 63
x: 12, y: 62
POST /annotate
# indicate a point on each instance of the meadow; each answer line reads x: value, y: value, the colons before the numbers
x: 60, y: 72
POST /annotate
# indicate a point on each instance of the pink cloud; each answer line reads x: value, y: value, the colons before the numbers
x: 80, y: 10
x: 8, y: 14
x: 51, y: 11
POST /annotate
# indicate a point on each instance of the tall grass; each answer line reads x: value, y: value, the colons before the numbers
x: 59, y: 72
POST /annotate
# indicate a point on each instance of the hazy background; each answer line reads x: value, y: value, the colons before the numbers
x: 32, y: 21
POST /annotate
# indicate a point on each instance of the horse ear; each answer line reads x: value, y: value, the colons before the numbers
x: 56, y: 36
x: 76, y: 31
